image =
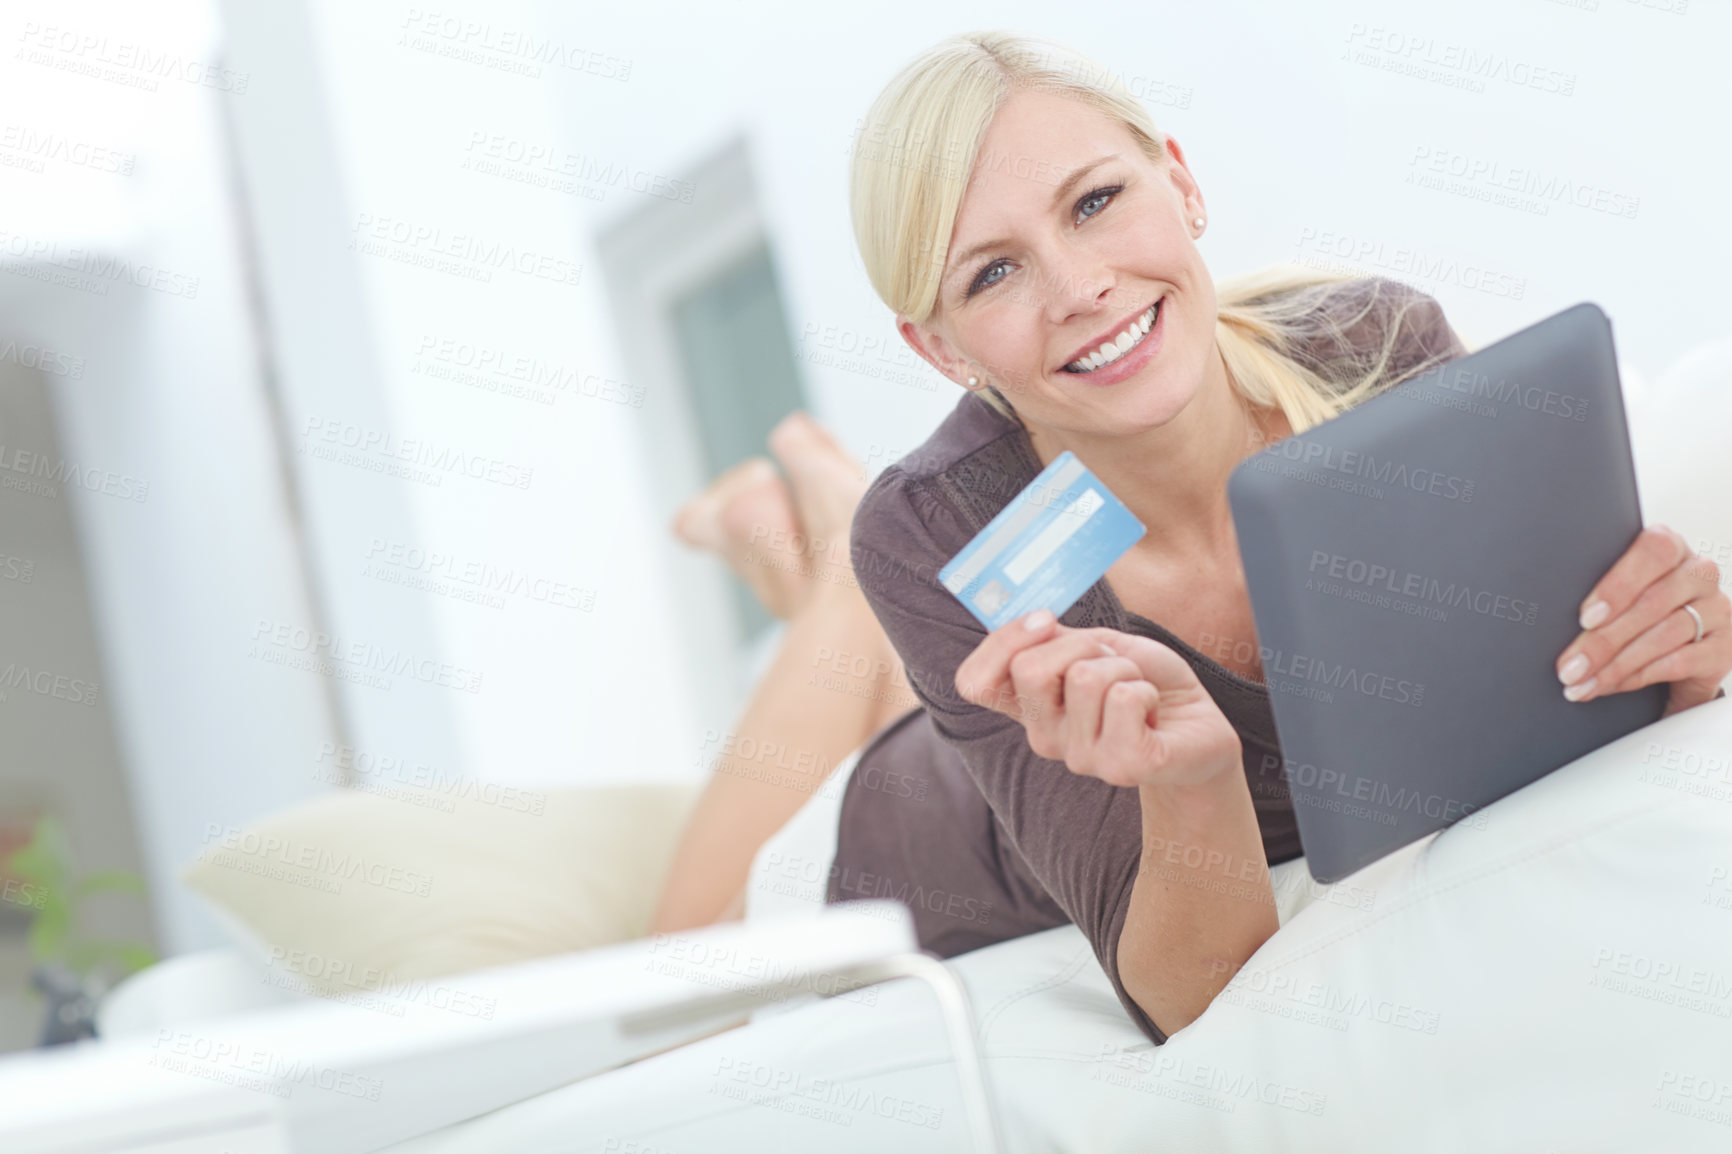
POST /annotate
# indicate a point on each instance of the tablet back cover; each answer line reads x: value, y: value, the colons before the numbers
x: 1415, y: 567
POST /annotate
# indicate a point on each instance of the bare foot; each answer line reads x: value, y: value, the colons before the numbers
x: 827, y: 484
x: 747, y: 515
x: 786, y: 539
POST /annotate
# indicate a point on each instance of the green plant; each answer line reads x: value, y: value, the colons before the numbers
x: 45, y: 865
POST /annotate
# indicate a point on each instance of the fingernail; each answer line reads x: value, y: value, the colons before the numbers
x: 1037, y: 620
x: 1594, y: 614
x: 1573, y: 668
x: 1577, y: 692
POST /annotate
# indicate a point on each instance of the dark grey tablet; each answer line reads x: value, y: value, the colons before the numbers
x: 1415, y: 568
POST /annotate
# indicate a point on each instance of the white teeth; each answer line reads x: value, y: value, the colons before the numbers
x: 1112, y: 350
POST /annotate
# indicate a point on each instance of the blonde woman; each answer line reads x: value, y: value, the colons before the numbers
x: 1036, y: 236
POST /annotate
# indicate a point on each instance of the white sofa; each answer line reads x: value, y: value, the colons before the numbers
x: 1559, y: 979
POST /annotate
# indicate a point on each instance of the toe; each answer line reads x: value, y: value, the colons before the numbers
x: 801, y: 443
x: 699, y: 520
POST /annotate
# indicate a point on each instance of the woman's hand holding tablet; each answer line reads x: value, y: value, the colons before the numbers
x: 1658, y: 615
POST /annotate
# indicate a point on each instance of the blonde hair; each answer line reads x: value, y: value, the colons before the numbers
x: 920, y: 141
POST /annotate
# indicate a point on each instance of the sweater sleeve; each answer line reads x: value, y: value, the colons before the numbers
x: 1080, y: 837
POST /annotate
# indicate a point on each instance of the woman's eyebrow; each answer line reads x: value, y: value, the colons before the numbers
x: 1058, y: 195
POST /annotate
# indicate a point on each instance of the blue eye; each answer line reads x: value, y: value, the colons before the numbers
x: 1100, y: 194
x: 980, y: 280
x: 1104, y: 195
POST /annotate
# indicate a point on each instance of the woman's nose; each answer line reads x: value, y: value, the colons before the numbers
x: 1081, y: 286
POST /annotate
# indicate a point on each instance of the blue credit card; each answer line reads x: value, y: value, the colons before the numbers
x: 1045, y: 549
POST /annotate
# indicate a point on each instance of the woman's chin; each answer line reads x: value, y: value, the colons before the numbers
x: 1146, y: 401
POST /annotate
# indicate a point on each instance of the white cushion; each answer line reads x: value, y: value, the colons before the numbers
x: 1557, y: 978
x: 356, y: 891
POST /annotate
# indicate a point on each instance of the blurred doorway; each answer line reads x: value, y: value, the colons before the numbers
x: 704, y: 334
x: 740, y: 373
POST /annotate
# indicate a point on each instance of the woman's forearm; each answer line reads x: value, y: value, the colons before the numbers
x: 1201, y: 904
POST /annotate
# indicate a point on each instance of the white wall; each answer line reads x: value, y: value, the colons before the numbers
x: 583, y: 680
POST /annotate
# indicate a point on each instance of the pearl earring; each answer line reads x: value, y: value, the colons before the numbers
x: 972, y: 381
x: 1198, y: 223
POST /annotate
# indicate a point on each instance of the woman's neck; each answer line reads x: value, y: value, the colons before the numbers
x: 1174, y: 478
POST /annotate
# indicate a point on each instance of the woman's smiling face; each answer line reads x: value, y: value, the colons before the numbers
x: 1066, y: 237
